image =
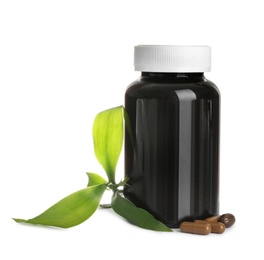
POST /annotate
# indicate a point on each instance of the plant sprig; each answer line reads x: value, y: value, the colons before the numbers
x: 79, y: 206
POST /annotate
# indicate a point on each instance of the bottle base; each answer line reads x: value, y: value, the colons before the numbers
x: 171, y: 220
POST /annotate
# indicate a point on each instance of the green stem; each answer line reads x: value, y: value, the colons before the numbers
x: 105, y: 206
x: 115, y: 187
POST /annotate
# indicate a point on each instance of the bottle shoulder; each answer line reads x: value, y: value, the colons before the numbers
x: 147, y: 89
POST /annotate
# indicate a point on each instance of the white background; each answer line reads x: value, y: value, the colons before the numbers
x: 62, y: 62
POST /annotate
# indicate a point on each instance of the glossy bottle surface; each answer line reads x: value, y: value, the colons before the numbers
x: 172, y: 159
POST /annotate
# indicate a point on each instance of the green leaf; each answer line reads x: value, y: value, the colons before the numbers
x: 72, y: 210
x: 135, y: 215
x: 95, y: 179
x: 108, y: 139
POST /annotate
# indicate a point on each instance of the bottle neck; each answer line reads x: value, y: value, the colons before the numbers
x: 173, y: 74
x: 172, y: 77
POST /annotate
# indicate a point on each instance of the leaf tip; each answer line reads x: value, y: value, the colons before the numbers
x: 169, y: 230
x: 19, y: 220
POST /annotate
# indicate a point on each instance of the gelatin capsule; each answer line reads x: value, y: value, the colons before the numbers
x: 213, y: 218
x: 195, y: 228
x: 227, y: 219
x: 216, y: 227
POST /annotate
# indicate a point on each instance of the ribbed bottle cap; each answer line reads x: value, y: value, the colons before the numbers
x: 172, y: 58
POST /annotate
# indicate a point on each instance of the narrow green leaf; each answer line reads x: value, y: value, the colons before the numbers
x: 135, y: 215
x: 108, y: 139
x: 72, y: 210
x: 19, y: 220
x: 94, y: 179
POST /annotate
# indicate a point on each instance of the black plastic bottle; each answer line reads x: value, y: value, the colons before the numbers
x: 172, y: 157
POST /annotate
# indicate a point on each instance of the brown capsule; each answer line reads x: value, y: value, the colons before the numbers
x: 227, y: 219
x: 195, y: 228
x: 216, y: 227
x: 213, y: 218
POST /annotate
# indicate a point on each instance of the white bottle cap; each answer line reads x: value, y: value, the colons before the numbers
x: 172, y: 58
